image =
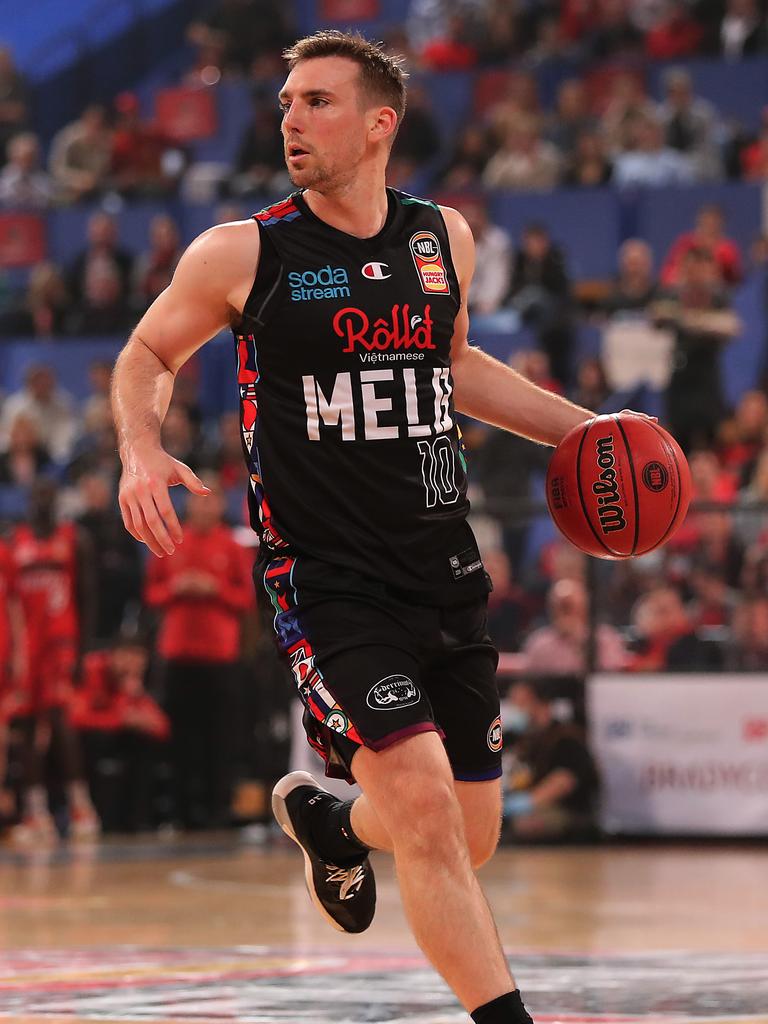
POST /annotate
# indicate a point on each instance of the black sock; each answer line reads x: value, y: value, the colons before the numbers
x: 332, y: 836
x: 507, y: 1009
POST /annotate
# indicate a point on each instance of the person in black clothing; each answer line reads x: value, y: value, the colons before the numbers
x: 103, y: 252
x: 541, y: 293
x: 555, y: 782
x: 353, y: 297
x: 699, y: 313
x: 116, y: 559
x: 259, y: 165
x: 636, y: 286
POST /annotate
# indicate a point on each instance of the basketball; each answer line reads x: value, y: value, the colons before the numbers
x: 618, y: 486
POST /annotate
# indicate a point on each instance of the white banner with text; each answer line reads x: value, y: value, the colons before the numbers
x: 681, y: 753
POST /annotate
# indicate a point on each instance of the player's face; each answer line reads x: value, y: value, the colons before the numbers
x: 325, y: 124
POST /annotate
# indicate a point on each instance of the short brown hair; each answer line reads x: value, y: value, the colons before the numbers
x: 381, y: 75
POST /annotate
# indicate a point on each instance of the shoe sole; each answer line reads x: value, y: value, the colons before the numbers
x: 284, y: 787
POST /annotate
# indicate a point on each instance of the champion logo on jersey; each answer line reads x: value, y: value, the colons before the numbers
x: 376, y: 271
x: 425, y: 249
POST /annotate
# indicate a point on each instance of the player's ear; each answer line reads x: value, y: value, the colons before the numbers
x: 383, y: 124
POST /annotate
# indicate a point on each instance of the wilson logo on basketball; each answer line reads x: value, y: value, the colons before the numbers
x: 655, y: 476
x: 401, y: 330
x: 606, y: 490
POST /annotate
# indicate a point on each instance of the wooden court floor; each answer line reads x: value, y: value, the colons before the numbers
x: 212, y: 930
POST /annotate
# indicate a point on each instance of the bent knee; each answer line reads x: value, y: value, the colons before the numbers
x: 428, y: 815
x: 482, y: 846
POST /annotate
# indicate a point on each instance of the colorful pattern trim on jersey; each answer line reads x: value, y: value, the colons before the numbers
x: 279, y: 213
x: 248, y: 377
x: 278, y: 582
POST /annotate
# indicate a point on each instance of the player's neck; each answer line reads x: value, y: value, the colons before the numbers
x: 360, y: 209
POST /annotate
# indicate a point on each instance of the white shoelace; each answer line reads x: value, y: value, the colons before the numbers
x: 350, y: 879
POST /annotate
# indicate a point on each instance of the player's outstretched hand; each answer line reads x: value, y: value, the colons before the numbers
x: 145, y: 503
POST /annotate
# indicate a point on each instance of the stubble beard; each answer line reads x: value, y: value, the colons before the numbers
x: 321, y: 178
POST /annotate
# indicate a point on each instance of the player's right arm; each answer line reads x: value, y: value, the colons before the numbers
x: 207, y: 293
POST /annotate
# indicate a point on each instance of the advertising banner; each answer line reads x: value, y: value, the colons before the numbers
x: 681, y: 754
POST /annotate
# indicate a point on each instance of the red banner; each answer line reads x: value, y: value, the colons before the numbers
x: 185, y: 114
x: 349, y: 10
x: 22, y: 239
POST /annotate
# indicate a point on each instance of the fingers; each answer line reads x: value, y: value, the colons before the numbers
x: 128, y: 522
x: 642, y: 415
x: 154, y: 531
x: 167, y: 512
x: 146, y: 522
x: 147, y: 536
x: 190, y: 480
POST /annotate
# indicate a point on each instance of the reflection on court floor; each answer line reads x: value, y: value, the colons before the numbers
x: 267, y: 985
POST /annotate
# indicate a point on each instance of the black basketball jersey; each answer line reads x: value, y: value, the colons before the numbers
x: 347, y: 399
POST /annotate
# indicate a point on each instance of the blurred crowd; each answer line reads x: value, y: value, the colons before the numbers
x: 603, y: 126
x: 135, y: 692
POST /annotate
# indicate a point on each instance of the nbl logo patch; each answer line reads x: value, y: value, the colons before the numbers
x: 425, y: 249
x: 494, y: 735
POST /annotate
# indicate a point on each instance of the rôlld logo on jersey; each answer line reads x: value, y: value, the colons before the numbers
x: 401, y: 330
x: 425, y: 249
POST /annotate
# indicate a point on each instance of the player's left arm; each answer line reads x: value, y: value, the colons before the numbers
x: 487, y: 389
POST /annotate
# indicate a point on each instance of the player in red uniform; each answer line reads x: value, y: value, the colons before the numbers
x: 50, y: 579
x: 11, y: 661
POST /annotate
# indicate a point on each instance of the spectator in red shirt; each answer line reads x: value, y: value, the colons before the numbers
x: 144, y: 161
x: 452, y: 51
x: 708, y: 234
x: 667, y: 640
x: 201, y: 591
x: 675, y: 34
x: 119, y: 722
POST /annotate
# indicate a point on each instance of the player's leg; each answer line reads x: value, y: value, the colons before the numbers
x: 37, y: 824
x: 410, y: 787
x: 65, y: 746
x: 480, y: 804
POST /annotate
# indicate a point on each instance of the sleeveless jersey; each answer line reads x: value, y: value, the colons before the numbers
x: 44, y: 579
x: 346, y: 395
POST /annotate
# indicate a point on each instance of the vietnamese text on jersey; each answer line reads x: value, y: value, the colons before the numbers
x: 346, y: 396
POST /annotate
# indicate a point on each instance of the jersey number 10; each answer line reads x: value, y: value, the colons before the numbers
x: 438, y: 471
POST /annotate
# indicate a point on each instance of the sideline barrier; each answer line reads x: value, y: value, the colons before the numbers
x: 681, y: 754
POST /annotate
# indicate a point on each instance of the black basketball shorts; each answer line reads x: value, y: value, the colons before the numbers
x: 373, y: 668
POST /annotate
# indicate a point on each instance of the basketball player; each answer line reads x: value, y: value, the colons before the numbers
x: 51, y: 581
x: 348, y: 305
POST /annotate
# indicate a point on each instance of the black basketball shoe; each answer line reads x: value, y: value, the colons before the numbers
x: 344, y: 894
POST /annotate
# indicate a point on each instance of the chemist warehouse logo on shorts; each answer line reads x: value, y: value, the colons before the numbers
x: 425, y: 249
x: 325, y: 283
x: 393, y: 692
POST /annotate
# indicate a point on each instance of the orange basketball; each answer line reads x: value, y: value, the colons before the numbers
x: 618, y: 486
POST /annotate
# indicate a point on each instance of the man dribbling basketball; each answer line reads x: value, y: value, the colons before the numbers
x: 352, y: 359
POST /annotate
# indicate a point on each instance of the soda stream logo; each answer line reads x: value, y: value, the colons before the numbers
x: 325, y: 283
x: 400, y: 331
x: 606, y: 489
